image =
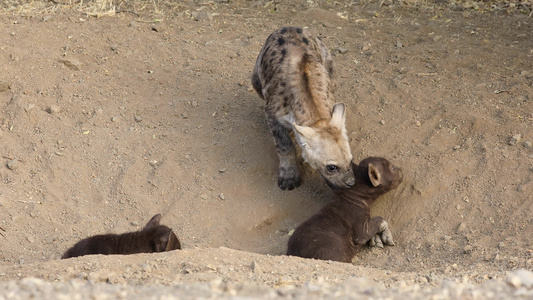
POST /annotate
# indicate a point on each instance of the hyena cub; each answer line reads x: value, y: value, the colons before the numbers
x: 343, y: 226
x: 152, y: 238
x: 293, y: 73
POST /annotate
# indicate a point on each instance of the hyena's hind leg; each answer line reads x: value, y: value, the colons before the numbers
x: 289, y: 175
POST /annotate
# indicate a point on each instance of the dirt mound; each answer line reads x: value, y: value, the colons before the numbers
x: 107, y: 121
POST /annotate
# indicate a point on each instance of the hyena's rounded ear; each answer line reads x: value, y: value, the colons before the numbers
x: 374, y: 175
x: 338, y: 115
x: 304, y: 131
x: 154, y: 221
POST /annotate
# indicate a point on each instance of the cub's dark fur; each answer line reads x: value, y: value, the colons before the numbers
x: 152, y: 238
x: 343, y: 226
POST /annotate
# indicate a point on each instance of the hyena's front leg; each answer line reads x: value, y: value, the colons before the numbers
x: 289, y: 175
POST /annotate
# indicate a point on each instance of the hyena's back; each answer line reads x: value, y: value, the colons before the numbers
x: 293, y: 71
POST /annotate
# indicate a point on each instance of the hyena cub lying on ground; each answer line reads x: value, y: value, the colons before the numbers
x: 293, y: 73
x: 343, y: 226
x: 152, y: 238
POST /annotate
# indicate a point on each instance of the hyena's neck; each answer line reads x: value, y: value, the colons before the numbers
x: 311, y: 83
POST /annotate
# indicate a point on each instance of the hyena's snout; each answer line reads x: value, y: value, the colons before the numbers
x: 349, y: 179
x: 341, y: 180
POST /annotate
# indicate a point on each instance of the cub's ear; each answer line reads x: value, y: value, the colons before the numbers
x: 154, y: 221
x: 305, y: 132
x: 338, y: 115
x: 374, y: 175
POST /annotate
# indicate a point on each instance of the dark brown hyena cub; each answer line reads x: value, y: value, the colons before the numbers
x: 343, y: 226
x: 293, y: 74
x: 152, y: 238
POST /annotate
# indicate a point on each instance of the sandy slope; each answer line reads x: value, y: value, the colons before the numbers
x: 105, y: 122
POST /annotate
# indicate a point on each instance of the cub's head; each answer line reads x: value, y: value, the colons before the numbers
x: 325, y: 148
x: 382, y: 174
x: 162, y: 237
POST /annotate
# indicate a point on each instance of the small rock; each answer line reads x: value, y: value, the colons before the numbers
x: 13, y: 164
x: 159, y: 28
x: 138, y: 119
x: 342, y: 50
x: 525, y: 277
x: 204, y: 196
x: 468, y: 248
x: 366, y: 47
x: 4, y: 86
x: 399, y: 44
x: 222, y: 170
x: 71, y: 63
x: 255, y: 267
x: 194, y: 104
x: 418, y: 124
x: 54, y: 109
x: 515, y: 139
x: 527, y: 144
x: 461, y: 228
x: 514, y: 281
x: 221, y: 196
x: 201, y: 16
x: 382, y: 122
x: 524, y: 73
x: 184, y: 115
x: 30, y: 107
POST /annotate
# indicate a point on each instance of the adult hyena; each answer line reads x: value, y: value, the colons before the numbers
x: 293, y: 73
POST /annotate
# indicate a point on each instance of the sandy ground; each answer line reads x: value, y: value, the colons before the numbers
x: 105, y: 122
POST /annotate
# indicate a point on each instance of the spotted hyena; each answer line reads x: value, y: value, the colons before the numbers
x: 293, y: 74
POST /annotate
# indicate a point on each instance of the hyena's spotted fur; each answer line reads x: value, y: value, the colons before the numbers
x: 293, y: 73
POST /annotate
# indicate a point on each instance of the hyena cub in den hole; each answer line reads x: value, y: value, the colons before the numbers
x: 338, y: 230
x: 293, y: 73
x: 152, y: 238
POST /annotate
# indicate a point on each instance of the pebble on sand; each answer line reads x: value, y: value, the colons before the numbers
x: 13, y: 164
x: 54, y: 109
x: 71, y: 63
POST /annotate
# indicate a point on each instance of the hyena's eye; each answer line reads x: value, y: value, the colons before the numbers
x: 332, y: 168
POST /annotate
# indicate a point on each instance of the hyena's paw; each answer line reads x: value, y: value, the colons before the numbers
x: 289, y: 177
